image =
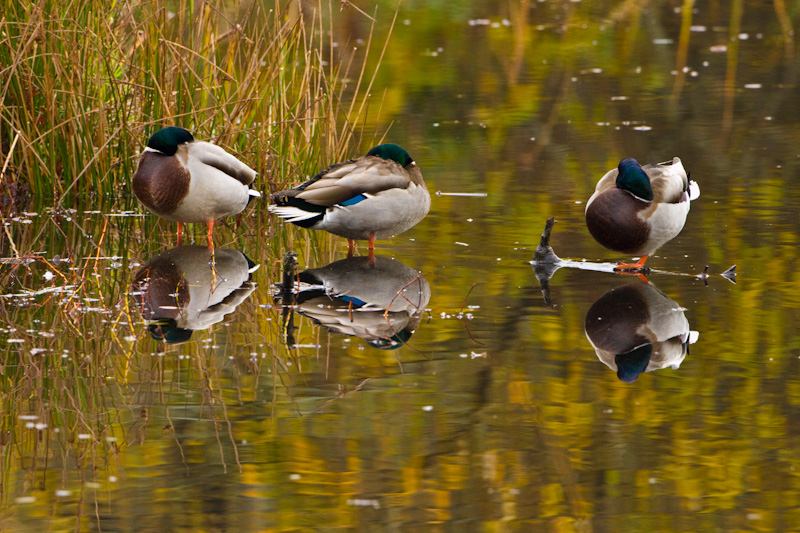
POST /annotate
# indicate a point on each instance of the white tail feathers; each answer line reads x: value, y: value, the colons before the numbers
x: 291, y: 214
x: 694, y: 190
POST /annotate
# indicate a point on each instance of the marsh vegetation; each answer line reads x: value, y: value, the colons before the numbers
x: 496, y: 413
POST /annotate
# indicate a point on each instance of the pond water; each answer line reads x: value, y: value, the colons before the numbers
x: 476, y: 403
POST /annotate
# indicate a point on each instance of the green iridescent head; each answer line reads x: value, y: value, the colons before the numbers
x: 168, y: 139
x: 392, y: 152
x: 633, y: 179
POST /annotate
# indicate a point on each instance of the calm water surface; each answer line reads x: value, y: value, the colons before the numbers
x: 497, y: 413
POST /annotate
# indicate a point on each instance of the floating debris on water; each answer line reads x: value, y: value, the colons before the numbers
x: 472, y: 194
x: 359, y: 502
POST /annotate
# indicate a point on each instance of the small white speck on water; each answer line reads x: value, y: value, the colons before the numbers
x: 25, y: 499
x: 294, y: 477
x: 361, y: 502
x: 752, y: 85
x: 744, y: 36
x: 427, y: 408
x: 463, y: 355
x: 84, y: 436
x: 63, y: 493
x: 462, y: 243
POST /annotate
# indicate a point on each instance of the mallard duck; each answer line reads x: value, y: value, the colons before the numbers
x: 636, y: 209
x: 178, y: 293
x: 636, y: 328
x: 191, y: 181
x: 373, y: 197
x: 382, y: 302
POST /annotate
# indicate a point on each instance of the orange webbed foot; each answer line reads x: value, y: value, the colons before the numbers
x: 632, y: 267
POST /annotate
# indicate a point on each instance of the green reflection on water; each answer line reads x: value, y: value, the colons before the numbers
x: 505, y: 420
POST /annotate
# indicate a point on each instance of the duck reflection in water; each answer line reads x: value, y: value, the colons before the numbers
x: 179, y: 292
x: 382, y: 304
x: 636, y: 328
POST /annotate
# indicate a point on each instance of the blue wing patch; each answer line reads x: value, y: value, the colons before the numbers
x: 354, y: 200
x: 353, y: 300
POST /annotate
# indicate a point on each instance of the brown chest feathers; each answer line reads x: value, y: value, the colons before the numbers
x: 613, y: 222
x: 160, y: 182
